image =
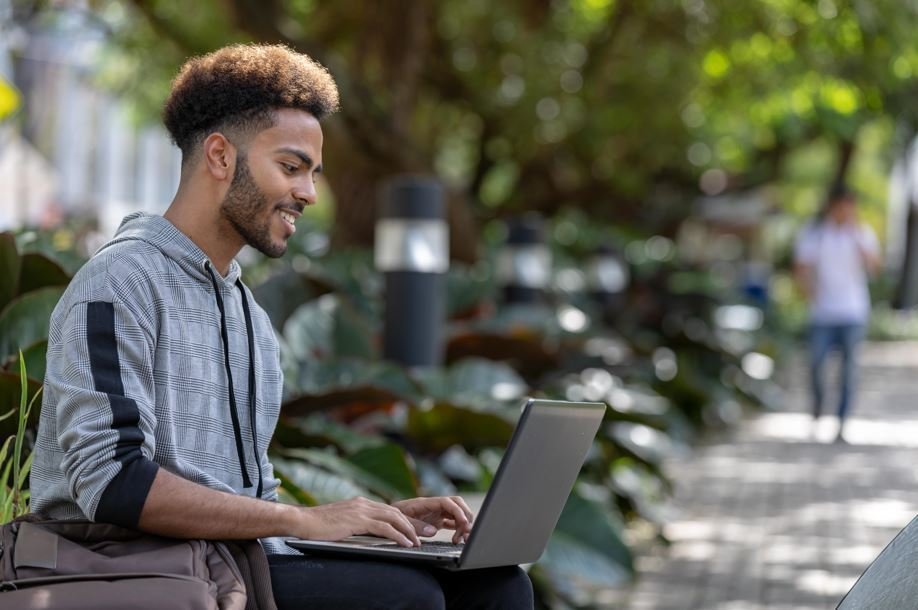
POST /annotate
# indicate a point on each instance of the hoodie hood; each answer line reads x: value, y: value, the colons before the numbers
x: 159, y: 232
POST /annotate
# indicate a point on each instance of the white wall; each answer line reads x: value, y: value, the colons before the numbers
x: 98, y: 161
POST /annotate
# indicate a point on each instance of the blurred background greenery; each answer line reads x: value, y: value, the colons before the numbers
x: 692, y: 137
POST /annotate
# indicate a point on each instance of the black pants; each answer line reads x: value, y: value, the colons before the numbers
x: 322, y: 583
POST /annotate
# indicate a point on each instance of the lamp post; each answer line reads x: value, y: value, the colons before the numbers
x: 524, y: 263
x: 412, y: 252
x: 608, y: 276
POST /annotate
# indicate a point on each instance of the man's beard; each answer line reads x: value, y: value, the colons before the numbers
x: 244, y: 207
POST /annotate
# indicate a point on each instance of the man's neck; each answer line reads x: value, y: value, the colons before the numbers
x: 197, y: 215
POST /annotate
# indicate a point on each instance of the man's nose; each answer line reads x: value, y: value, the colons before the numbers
x: 305, y: 193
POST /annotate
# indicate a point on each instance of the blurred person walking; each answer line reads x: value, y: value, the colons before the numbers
x: 834, y: 256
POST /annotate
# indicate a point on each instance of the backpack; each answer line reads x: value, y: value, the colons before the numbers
x: 80, y: 564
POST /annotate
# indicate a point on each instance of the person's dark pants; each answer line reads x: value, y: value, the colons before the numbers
x: 324, y: 583
x: 823, y: 337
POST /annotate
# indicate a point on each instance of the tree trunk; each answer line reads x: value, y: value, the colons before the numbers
x: 906, y: 296
x: 845, y: 154
x: 356, y: 179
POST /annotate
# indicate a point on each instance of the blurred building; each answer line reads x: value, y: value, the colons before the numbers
x: 73, y: 149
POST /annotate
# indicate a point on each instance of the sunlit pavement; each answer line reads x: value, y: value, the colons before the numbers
x: 779, y: 516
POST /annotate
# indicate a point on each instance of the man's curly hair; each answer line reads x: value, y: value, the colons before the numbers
x: 237, y: 88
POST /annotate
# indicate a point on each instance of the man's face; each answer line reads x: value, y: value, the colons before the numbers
x: 843, y: 211
x: 274, y: 180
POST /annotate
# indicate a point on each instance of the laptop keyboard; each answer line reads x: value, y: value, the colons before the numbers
x: 439, y: 548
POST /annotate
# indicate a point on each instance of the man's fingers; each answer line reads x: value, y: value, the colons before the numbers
x: 422, y: 527
x: 386, y: 530
x: 449, y: 512
x: 400, y: 522
x: 455, y: 509
x: 465, y: 507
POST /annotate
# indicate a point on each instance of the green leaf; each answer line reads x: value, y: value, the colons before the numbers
x: 295, y: 492
x: 389, y: 463
x: 572, y: 564
x: 309, y: 329
x: 353, y: 335
x: 645, y: 486
x: 466, y: 287
x: 4, y: 450
x: 473, y: 382
x: 26, y: 319
x: 351, y: 273
x: 35, y: 360
x: 9, y: 269
x: 328, y: 327
x: 591, y: 523
x: 436, y: 429
x: 586, y: 549
x: 281, y: 295
x: 524, y: 347
x: 647, y: 444
x: 6, y: 489
x: 322, y: 485
x: 25, y: 470
x: 334, y: 383
x: 10, y: 384
x: 374, y: 480
x: 320, y: 431
x: 39, y: 271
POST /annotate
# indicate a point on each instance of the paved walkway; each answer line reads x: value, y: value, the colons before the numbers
x: 780, y: 517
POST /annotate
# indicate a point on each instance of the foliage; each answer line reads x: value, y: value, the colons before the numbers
x: 31, y: 283
x: 618, y: 108
x: 668, y: 370
x: 14, y: 471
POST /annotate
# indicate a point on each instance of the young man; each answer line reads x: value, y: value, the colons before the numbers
x: 163, y: 383
x: 833, y: 257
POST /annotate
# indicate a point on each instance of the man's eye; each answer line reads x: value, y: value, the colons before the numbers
x: 289, y: 168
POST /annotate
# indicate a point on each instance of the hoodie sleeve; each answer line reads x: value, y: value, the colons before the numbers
x: 103, y: 376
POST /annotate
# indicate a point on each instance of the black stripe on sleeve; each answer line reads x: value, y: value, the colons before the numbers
x: 124, y: 497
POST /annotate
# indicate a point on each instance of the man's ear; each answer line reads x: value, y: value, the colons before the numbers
x: 219, y: 156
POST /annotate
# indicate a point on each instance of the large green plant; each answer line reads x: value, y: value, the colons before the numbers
x: 30, y: 286
x: 354, y: 424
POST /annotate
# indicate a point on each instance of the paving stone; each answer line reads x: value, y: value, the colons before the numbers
x: 780, y: 517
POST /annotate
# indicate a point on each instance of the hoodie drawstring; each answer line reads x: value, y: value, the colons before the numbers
x: 240, y: 451
x: 252, y: 394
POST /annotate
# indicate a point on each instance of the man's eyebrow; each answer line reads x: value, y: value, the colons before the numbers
x: 301, y: 156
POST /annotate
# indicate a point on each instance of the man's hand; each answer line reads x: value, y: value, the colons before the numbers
x: 355, y: 517
x: 178, y: 508
x: 431, y: 514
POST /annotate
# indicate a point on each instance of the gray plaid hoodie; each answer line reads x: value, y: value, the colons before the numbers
x: 154, y: 361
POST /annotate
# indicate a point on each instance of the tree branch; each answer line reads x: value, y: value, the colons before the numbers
x: 167, y: 29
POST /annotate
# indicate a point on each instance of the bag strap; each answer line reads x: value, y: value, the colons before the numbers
x: 36, y: 547
x: 250, y: 556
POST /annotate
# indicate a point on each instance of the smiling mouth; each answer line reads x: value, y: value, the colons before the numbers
x: 289, y: 218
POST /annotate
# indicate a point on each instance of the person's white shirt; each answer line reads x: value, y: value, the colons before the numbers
x: 835, y: 255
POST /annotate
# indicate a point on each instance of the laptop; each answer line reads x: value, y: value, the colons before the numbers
x: 522, y: 507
